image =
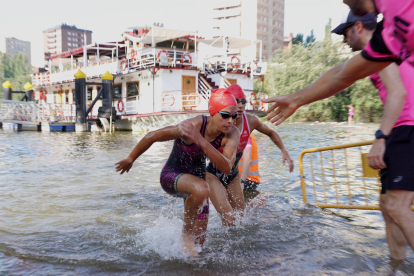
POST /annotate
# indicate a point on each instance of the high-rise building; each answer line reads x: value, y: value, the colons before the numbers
x: 12, y: 46
x: 252, y: 19
x: 63, y: 38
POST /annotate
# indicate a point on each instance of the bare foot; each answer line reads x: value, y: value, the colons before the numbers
x: 189, y: 244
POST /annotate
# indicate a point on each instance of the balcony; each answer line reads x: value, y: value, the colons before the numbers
x: 226, y: 13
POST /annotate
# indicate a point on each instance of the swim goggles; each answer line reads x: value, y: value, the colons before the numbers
x: 243, y: 101
x: 226, y: 115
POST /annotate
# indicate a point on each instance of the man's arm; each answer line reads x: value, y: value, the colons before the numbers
x: 332, y: 82
x: 394, y: 104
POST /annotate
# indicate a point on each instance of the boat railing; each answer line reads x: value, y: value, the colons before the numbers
x: 339, y: 177
x: 183, y: 101
x: 233, y: 63
x: 94, y: 69
x: 58, y: 112
x: 25, y: 112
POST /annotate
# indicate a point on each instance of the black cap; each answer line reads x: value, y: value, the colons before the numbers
x: 350, y: 19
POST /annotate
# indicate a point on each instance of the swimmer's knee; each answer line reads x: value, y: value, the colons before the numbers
x: 202, y: 190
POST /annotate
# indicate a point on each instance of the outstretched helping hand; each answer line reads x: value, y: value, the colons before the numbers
x: 124, y: 165
x: 283, y: 108
x: 286, y: 158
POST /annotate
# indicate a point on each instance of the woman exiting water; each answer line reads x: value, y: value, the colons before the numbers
x: 226, y: 193
x: 184, y: 174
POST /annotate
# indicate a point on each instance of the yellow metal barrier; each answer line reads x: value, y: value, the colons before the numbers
x: 335, y: 183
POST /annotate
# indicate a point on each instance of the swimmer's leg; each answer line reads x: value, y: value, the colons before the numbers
x: 220, y: 200
x: 200, y: 226
x: 198, y: 192
x: 235, y: 194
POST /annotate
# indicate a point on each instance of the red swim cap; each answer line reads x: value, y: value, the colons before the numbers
x: 236, y: 91
x: 219, y: 99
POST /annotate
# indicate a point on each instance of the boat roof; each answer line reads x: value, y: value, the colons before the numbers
x: 234, y: 42
x: 105, y: 49
x: 160, y: 34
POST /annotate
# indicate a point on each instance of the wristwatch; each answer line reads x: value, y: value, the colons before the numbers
x: 380, y: 135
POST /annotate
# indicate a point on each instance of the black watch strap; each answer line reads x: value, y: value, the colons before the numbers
x: 380, y: 135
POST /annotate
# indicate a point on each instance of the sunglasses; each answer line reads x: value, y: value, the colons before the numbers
x: 243, y: 101
x: 226, y: 115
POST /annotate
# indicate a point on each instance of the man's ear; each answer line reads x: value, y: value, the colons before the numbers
x: 358, y: 27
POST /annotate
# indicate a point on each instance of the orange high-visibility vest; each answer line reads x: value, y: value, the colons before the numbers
x: 253, y: 174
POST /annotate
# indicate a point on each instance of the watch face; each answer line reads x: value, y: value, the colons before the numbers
x: 378, y: 134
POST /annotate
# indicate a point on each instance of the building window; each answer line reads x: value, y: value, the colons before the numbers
x: 265, y: 29
x: 69, y: 33
x: 118, y: 91
x: 69, y: 44
x: 264, y: 47
x: 69, y: 39
x: 132, y: 90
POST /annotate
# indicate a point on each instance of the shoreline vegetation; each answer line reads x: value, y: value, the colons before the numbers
x: 291, y: 70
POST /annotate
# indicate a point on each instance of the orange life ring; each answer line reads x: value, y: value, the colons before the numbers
x: 250, y: 65
x: 253, y: 99
x: 121, y: 106
x: 234, y: 65
x: 262, y: 104
x: 182, y: 60
x: 159, y: 55
x: 123, y: 64
x: 197, y: 100
x: 168, y: 95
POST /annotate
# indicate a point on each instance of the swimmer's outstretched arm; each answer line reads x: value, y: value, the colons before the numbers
x: 160, y: 135
x: 259, y: 126
x: 223, y: 162
x: 330, y: 83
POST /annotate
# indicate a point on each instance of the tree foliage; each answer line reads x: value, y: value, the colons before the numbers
x: 16, y: 71
x: 290, y: 71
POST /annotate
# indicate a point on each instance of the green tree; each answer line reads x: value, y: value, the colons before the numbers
x: 310, y: 38
x: 298, y: 39
x: 16, y: 71
x: 328, y: 28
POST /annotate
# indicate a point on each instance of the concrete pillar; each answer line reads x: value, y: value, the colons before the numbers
x: 106, y: 109
x: 80, y: 94
x: 7, y: 87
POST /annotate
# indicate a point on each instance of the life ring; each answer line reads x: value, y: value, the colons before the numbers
x: 262, y: 104
x: 253, y: 99
x: 159, y: 55
x: 197, y: 100
x: 168, y: 95
x: 182, y: 60
x: 121, y: 106
x: 250, y: 65
x: 234, y: 65
x: 123, y: 64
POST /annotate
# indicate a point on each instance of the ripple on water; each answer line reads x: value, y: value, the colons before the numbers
x: 64, y: 211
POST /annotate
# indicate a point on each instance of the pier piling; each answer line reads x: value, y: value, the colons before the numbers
x: 80, y: 91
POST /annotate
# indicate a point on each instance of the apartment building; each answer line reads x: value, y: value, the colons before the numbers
x: 252, y: 19
x: 64, y: 38
x: 12, y: 46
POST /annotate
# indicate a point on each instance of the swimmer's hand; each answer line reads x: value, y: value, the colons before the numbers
x: 188, y: 130
x: 284, y: 106
x: 124, y: 165
x: 286, y: 159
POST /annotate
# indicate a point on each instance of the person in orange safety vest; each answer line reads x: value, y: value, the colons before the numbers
x: 249, y: 168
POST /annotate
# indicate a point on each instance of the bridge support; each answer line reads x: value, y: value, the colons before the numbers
x: 80, y: 92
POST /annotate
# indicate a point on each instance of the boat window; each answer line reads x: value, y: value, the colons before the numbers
x: 74, y: 97
x: 117, y: 91
x: 131, y: 44
x: 89, y: 92
x: 165, y: 44
x: 191, y: 46
x: 179, y: 44
x: 132, y: 90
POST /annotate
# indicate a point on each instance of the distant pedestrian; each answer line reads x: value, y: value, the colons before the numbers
x: 351, y: 112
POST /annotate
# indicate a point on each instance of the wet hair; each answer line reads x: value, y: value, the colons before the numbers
x: 370, y: 25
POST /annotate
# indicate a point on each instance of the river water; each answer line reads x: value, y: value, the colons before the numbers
x: 64, y: 211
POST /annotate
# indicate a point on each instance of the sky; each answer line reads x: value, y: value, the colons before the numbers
x: 26, y: 19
